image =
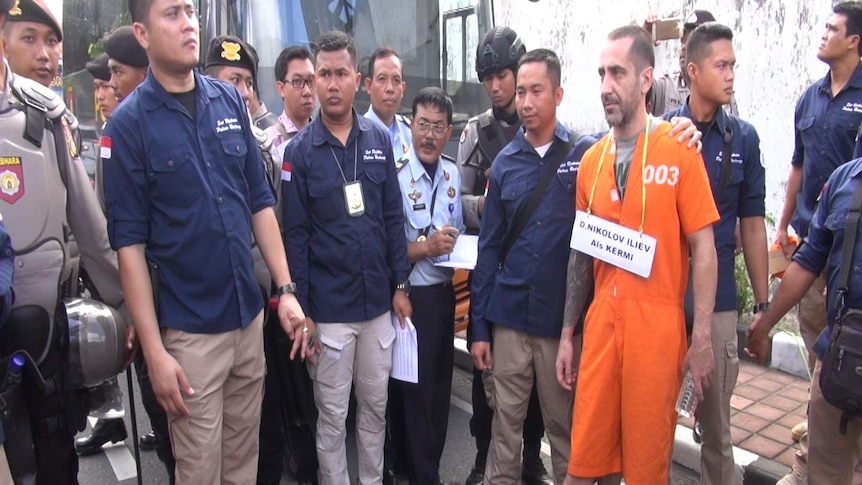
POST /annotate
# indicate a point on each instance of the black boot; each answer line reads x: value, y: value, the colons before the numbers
x: 533, y: 471
x: 105, y: 430
x: 148, y: 441
x: 477, y: 474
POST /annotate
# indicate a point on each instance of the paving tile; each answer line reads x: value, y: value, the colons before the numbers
x: 795, y: 393
x: 777, y: 432
x: 749, y: 392
x: 801, y: 384
x: 781, y: 377
x: 791, y: 420
x: 763, y: 446
x: 739, y: 402
x: 765, y: 412
x: 766, y: 384
x: 752, y: 368
x: 748, y: 422
x: 744, y: 377
x: 780, y: 402
x: 738, y: 435
x: 787, y: 457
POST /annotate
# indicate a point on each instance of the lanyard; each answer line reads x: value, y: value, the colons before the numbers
x: 643, y: 177
x: 355, y: 160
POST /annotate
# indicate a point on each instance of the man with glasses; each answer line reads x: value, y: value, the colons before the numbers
x: 430, y: 188
x: 294, y: 74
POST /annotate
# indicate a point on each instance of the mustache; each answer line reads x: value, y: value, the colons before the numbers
x: 610, y: 98
x: 429, y: 145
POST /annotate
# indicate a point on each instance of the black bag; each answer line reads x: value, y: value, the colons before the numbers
x: 841, y: 372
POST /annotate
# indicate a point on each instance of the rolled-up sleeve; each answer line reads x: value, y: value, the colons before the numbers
x: 126, y: 189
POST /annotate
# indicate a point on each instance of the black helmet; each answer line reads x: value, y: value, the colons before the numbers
x: 97, y: 342
x: 500, y: 49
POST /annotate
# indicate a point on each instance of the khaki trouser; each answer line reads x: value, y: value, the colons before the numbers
x: 811, y: 315
x: 716, y: 458
x: 518, y: 359
x: 831, y: 456
x: 359, y: 353
x: 5, y: 473
x: 218, y: 441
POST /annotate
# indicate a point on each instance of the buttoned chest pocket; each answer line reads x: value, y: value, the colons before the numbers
x: 419, y: 219
x: 512, y: 191
x: 375, y: 172
x: 848, y: 122
x: 325, y: 200
x: 173, y: 177
x: 567, y: 181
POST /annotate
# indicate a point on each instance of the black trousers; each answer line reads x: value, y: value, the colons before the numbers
x: 483, y: 415
x: 418, y: 414
x: 288, y: 413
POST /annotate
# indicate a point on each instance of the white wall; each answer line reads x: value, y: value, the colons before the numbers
x: 776, y: 43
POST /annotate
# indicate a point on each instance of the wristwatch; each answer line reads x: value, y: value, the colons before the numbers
x: 404, y: 286
x: 760, y: 307
x: 288, y: 288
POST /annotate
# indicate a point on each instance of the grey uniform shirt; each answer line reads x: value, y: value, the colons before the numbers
x: 470, y: 201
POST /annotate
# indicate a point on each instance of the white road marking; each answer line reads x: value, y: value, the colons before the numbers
x: 120, y: 458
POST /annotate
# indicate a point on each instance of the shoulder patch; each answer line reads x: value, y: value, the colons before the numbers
x: 70, y: 140
x: 401, y: 163
x: 463, y: 135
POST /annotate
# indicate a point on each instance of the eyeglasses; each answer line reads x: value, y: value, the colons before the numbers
x: 438, y: 129
x: 300, y: 83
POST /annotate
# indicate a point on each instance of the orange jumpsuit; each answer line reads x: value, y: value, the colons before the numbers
x: 634, y: 335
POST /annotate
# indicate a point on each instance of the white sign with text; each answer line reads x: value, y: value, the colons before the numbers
x: 614, y: 244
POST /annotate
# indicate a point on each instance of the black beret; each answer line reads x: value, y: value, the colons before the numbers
x: 698, y: 17
x: 123, y: 47
x: 6, y: 5
x: 34, y: 11
x: 98, y: 67
x: 227, y: 50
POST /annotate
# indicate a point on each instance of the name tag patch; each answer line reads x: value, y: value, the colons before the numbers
x: 614, y: 244
x: 373, y: 154
x: 228, y: 124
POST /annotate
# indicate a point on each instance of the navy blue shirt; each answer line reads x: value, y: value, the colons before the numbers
x: 826, y: 128
x: 744, y: 195
x: 187, y: 188
x: 824, y: 243
x: 529, y: 293
x: 345, y: 267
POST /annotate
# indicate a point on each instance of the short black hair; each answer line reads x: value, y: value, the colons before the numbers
x: 289, y: 54
x: 641, y: 53
x: 434, y: 96
x: 699, y: 45
x: 335, y: 41
x: 551, y: 60
x: 139, y: 9
x: 852, y: 11
x: 380, y: 53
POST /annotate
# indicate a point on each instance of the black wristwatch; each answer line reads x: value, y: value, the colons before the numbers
x: 760, y: 307
x: 288, y: 288
x: 404, y: 286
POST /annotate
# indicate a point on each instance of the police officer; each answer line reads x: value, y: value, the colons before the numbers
x: 429, y: 181
x: 33, y: 42
x: 105, y: 97
x: 671, y: 90
x: 344, y: 237
x: 42, y: 206
x: 385, y: 85
x: 483, y: 137
x: 127, y: 60
x: 731, y: 152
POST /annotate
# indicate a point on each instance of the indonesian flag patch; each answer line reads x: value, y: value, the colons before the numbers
x: 286, y: 171
x: 105, y: 147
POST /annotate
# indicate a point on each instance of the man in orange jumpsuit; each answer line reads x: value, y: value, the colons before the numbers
x: 641, y: 208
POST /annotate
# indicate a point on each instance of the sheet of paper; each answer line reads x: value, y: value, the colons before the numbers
x: 464, y: 254
x: 405, y: 355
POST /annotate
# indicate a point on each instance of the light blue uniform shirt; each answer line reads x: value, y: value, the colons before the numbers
x: 399, y: 133
x: 417, y: 190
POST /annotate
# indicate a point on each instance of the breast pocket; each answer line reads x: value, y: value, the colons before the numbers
x: 174, y: 177
x: 234, y: 146
x: 375, y: 172
x: 325, y: 200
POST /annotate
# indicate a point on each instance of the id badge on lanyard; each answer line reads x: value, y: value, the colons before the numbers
x: 353, y: 198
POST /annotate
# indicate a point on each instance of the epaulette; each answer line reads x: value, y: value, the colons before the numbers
x: 448, y: 158
x: 263, y: 140
x: 399, y: 164
x: 402, y: 119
